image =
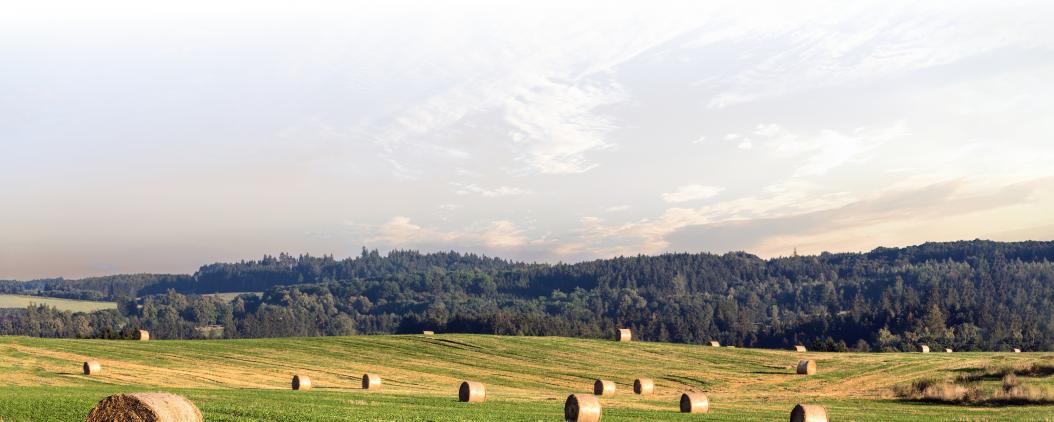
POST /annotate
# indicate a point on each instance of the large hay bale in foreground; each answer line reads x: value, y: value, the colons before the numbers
x: 472, y: 392
x: 145, y: 407
x: 371, y: 382
x: 92, y: 367
x: 624, y: 334
x: 643, y: 386
x: 715, y: 343
x: 808, y: 413
x: 428, y: 333
x: 603, y: 387
x: 142, y: 335
x: 924, y: 348
x: 807, y: 367
x: 301, y: 382
x: 695, y: 402
x: 582, y: 408
x: 799, y: 348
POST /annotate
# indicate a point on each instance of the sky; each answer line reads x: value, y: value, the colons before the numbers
x: 161, y: 136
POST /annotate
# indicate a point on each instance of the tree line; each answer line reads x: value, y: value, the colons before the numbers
x: 971, y: 295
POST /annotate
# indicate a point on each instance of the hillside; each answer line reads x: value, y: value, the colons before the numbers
x: 527, y: 379
x: 970, y: 296
x: 21, y: 301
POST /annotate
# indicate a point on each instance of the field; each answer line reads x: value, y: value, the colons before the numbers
x: 527, y: 379
x: 20, y: 301
x: 230, y: 296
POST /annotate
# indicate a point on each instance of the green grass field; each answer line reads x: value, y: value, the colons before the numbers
x: 527, y: 379
x: 20, y: 301
x: 227, y: 297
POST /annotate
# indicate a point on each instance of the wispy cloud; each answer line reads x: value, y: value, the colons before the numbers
x: 401, y: 232
x: 691, y: 193
x: 828, y: 149
x: 472, y: 188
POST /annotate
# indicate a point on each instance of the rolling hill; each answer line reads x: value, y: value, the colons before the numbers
x: 527, y: 379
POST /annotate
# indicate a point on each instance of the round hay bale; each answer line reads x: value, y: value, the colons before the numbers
x: 1017, y: 350
x: 624, y: 334
x: 92, y: 367
x: 924, y: 348
x: 947, y: 350
x: 142, y: 335
x: 695, y: 402
x: 800, y: 348
x: 301, y: 382
x: 807, y: 367
x: 371, y: 382
x: 472, y: 392
x: 643, y: 386
x: 428, y: 333
x: 152, y: 407
x: 715, y: 344
x: 808, y: 413
x: 582, y: 408
x: 603, y: 387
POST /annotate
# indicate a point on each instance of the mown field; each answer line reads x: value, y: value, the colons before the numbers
x: 527, y: 379
x: 21, y: 302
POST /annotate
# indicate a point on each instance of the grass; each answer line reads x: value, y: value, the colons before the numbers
x: 527, y: 379
x: 20, y: 301
x: 227, y: 297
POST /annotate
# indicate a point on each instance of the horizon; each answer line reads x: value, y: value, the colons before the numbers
x: 386, y: 253
x: 152, y: 138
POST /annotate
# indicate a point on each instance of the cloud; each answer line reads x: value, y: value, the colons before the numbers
x: 401, y: 232
x: 471, y: 188
x: 789, y: 51
x: 691, y: 193
x: 828, y: 149
x: 616, y: 208
x: 503, y: 234
x: 554, y: 126
x: 902, y: 212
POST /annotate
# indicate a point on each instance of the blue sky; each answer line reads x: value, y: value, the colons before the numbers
x: 140, y: 137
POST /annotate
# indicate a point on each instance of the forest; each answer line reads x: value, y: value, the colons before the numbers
x: 967, y: 295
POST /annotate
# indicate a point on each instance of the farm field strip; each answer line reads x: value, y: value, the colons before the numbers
x: 527, y: 378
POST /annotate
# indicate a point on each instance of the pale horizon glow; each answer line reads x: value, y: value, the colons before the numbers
x: 144, y: 137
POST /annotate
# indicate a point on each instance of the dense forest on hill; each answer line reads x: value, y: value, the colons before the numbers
x: 971, y: 295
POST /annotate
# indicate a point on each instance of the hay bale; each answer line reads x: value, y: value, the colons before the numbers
x: 731, y: 347
x: 142, y: 335
x: 695, y: 402
x: 301, y: 382
x: 924, y: 348
x: 807, y: 367
x: 371, y: 382
x: 154, y: 407
x: 808, y: 413
x: 92, y: 367
x: 624, y: 334
x: 800, y: 348
x: 428, y: 333
x: 947, y: 350
x: 603, y: 387
x: 582, y: 408
x: 643, y: 386
x: 472, y: 392
x: 1017, y: 350
x: 715, y: 344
